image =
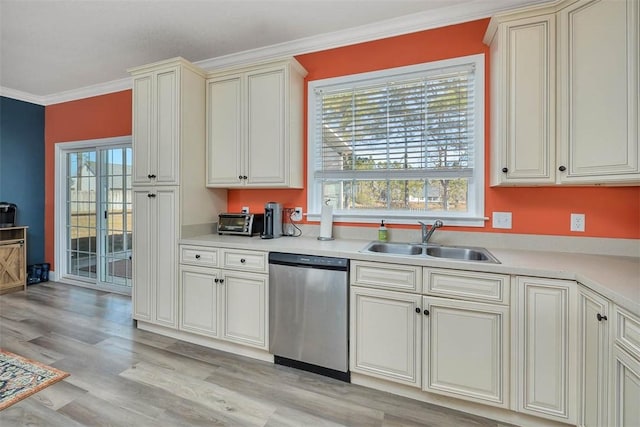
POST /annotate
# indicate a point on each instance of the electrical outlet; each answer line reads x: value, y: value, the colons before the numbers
x: 502, y: 220
x: 577, y: 222
x: 297, y: 214
x: 245, y: 209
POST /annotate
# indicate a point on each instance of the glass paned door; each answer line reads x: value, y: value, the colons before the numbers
x: 99, y: 210
x: 81, y: 213
x: 115, y: 224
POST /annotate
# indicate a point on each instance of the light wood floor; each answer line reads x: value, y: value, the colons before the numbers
x: 123, y: 376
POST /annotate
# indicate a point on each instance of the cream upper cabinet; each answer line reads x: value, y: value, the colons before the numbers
x: 523, y: 137
x: 598, y: 94
x: 545, y: 347
x: 254, y: 126
x: 167, y: 109
x: 564, y: 94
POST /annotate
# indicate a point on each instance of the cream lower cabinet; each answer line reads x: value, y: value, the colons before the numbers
x: 230, y: 302
x: 155, y: 278
x: 466, y: 350
x: 625, y: 370
x: 386, y: 329
x: 244, y: 300
x: 200, y: 300
x: 545, y: 347
x: 594, y: 347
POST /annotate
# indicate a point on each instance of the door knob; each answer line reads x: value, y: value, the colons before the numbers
x: 426, y: 312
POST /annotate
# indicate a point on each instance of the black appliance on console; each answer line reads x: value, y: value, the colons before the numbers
x: 8, y: 214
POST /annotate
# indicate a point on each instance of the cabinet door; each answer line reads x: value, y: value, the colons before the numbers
x: 166, y: 242
x: 167, y: 124
x: 244, y: 308
x: 12, y: 264
x: 598, y: 91
x: 267, y: 138
x: 154, y: 283
x: 523, y: 84
x: 143, y: 260
x: 199, y: 300
x: 225, y: 135
x: 593, y: 358
x: 143, y: 129
x: 385, y: 330
x: 546, y: 349
x: 626, y: 389
x: 466, y: 350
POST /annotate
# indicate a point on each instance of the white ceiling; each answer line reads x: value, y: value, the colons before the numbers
x: 54, y: 50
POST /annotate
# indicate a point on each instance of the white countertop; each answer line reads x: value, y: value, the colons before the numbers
x: 615, y: 277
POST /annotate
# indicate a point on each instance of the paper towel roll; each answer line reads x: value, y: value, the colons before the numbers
x: 326, y: 222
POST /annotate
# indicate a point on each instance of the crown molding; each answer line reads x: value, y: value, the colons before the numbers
x: 384, y: 29
x: 89, y: 91
x: 388, y: 28
x: 21, y: 96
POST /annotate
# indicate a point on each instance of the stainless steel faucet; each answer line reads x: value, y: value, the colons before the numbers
x: 426, y: 234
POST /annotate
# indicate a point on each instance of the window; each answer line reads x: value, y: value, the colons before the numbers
x: 400, y: 144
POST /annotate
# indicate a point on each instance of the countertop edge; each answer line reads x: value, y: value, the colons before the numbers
x: 614, y: 277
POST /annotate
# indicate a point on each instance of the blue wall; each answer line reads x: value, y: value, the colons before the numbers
x: 22, y: 168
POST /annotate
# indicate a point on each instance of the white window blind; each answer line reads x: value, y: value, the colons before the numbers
x: 399, y: 129
x: 405, y: 142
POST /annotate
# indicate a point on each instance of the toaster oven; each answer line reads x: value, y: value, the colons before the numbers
x: 241, y: 224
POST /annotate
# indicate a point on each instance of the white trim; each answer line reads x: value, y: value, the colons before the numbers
x: 59, y: 236
x: 378, y: 30
x: 89, y: 91
x: 474, y: 217
x: 390, y: 218
x: 21, y: 96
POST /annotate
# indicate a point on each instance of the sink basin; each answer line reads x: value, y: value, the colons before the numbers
x: 445, y: 252
x: 466, y: 254
x: 395, y: 248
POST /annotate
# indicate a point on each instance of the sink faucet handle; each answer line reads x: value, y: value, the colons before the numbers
x: 438, y: 223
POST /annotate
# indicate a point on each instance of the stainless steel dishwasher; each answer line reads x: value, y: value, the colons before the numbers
x: 309, y: 313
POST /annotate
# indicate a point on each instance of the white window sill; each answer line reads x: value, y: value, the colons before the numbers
x: 457, y: 221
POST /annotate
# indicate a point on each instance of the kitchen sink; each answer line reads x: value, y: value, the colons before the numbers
x: 466, y: 254
x: 395, y: 248
x: 445, y: 252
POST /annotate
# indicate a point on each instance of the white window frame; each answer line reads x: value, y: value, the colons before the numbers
x: 475, y: 215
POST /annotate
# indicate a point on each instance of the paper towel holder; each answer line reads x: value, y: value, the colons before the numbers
x: 325, y: 238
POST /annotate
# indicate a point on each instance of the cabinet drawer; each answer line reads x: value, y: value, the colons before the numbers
x: 386, y: 276
x: 468, y: 285
x: 198, y: 255
x: 237, y: 259
x: 627, y: 331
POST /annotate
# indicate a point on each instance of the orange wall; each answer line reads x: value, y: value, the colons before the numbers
x: 610, y: 211
x: 91, y: 118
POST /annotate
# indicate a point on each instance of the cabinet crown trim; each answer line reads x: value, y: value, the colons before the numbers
x: 177, y: 61
x: 288, y: 61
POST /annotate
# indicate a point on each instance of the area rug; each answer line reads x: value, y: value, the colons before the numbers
x: 21, y: 377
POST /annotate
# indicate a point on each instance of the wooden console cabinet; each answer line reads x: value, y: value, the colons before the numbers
x: 13, y: 259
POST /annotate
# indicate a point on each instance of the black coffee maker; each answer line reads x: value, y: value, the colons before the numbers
x: 7, y: 214
x: 272, y: 221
